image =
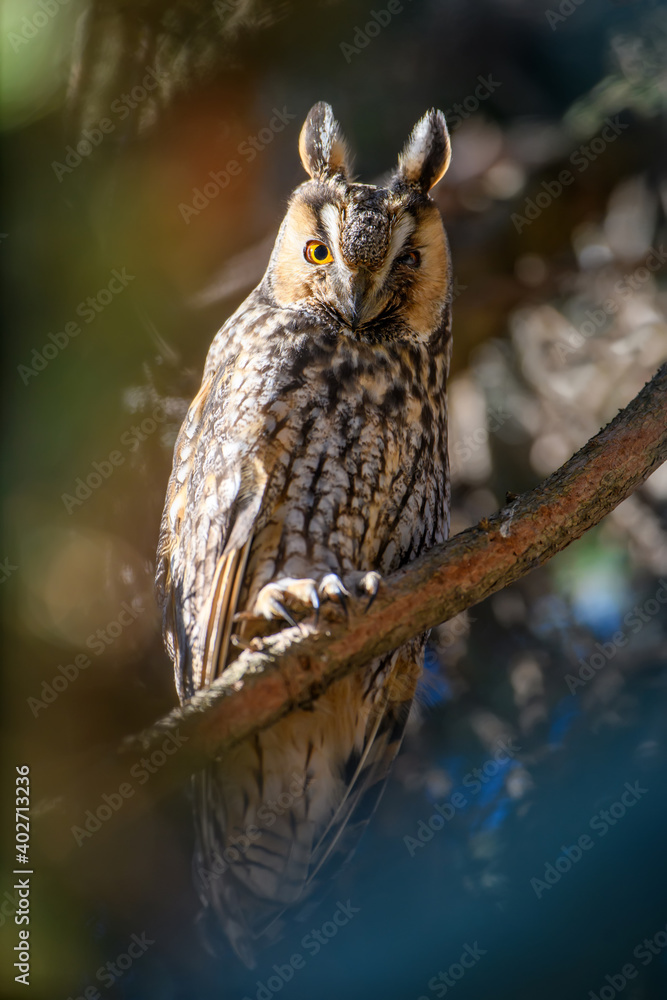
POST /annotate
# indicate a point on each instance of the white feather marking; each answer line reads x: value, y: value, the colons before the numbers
x: 330, y: 217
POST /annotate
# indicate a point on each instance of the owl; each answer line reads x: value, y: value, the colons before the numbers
x: 311, y: 463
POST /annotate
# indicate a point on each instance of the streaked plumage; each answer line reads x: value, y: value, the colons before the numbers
x: 314, y: 452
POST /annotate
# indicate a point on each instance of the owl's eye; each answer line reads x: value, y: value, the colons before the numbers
x: 412, y: 259
x: 317, y: 253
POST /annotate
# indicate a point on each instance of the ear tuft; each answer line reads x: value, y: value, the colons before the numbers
x: 321, y: 147
x: 427, y: 153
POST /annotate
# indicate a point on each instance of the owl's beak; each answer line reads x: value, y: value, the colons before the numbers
x: 354, y: 302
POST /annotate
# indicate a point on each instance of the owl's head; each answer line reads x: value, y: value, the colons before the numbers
x: 375, y: 260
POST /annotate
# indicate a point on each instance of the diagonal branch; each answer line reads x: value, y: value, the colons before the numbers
x: 291, y: 669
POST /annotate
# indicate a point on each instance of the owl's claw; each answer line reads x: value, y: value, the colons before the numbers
x: 271, y: 599
x: 274, y: 599
x: 364, y: 585
x: 369, y: 584
x: 332, y: 588
x: 279, y: 610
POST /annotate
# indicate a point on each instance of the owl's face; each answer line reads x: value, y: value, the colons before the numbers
x: 374, y: 260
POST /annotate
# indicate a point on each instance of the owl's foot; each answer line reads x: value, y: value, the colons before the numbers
x: 274, y: 599
x: 277, y: 599
x: 365, y: 584
x: 298, y: 594
x: 332, y: 588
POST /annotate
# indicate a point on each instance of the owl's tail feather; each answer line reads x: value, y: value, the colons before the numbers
x: 249, y: 876
x: 289, y: 806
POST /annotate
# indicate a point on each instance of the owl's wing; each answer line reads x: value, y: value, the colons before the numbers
x: 213, y: 500
x: 215, y: 504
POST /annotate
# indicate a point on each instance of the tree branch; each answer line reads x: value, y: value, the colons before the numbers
x: 292, y: 668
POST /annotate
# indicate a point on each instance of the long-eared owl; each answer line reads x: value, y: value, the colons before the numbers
x: 312, y: 461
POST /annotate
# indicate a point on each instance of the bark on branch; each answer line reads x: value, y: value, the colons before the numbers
x: 292, y: 668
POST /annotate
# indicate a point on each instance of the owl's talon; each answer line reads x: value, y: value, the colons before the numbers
x: 365, y: 585
x: 370, y: 584
x: 271, y: 600
x: 280, y: 611
x: 332, y: 588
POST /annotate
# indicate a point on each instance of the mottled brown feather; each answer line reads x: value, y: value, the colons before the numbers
x: 315, y: 450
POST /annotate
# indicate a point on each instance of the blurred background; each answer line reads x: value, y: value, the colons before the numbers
x: 128, y: 236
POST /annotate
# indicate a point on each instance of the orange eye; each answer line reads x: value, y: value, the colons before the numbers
x: 412, y: 259
x: 317, y: 253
